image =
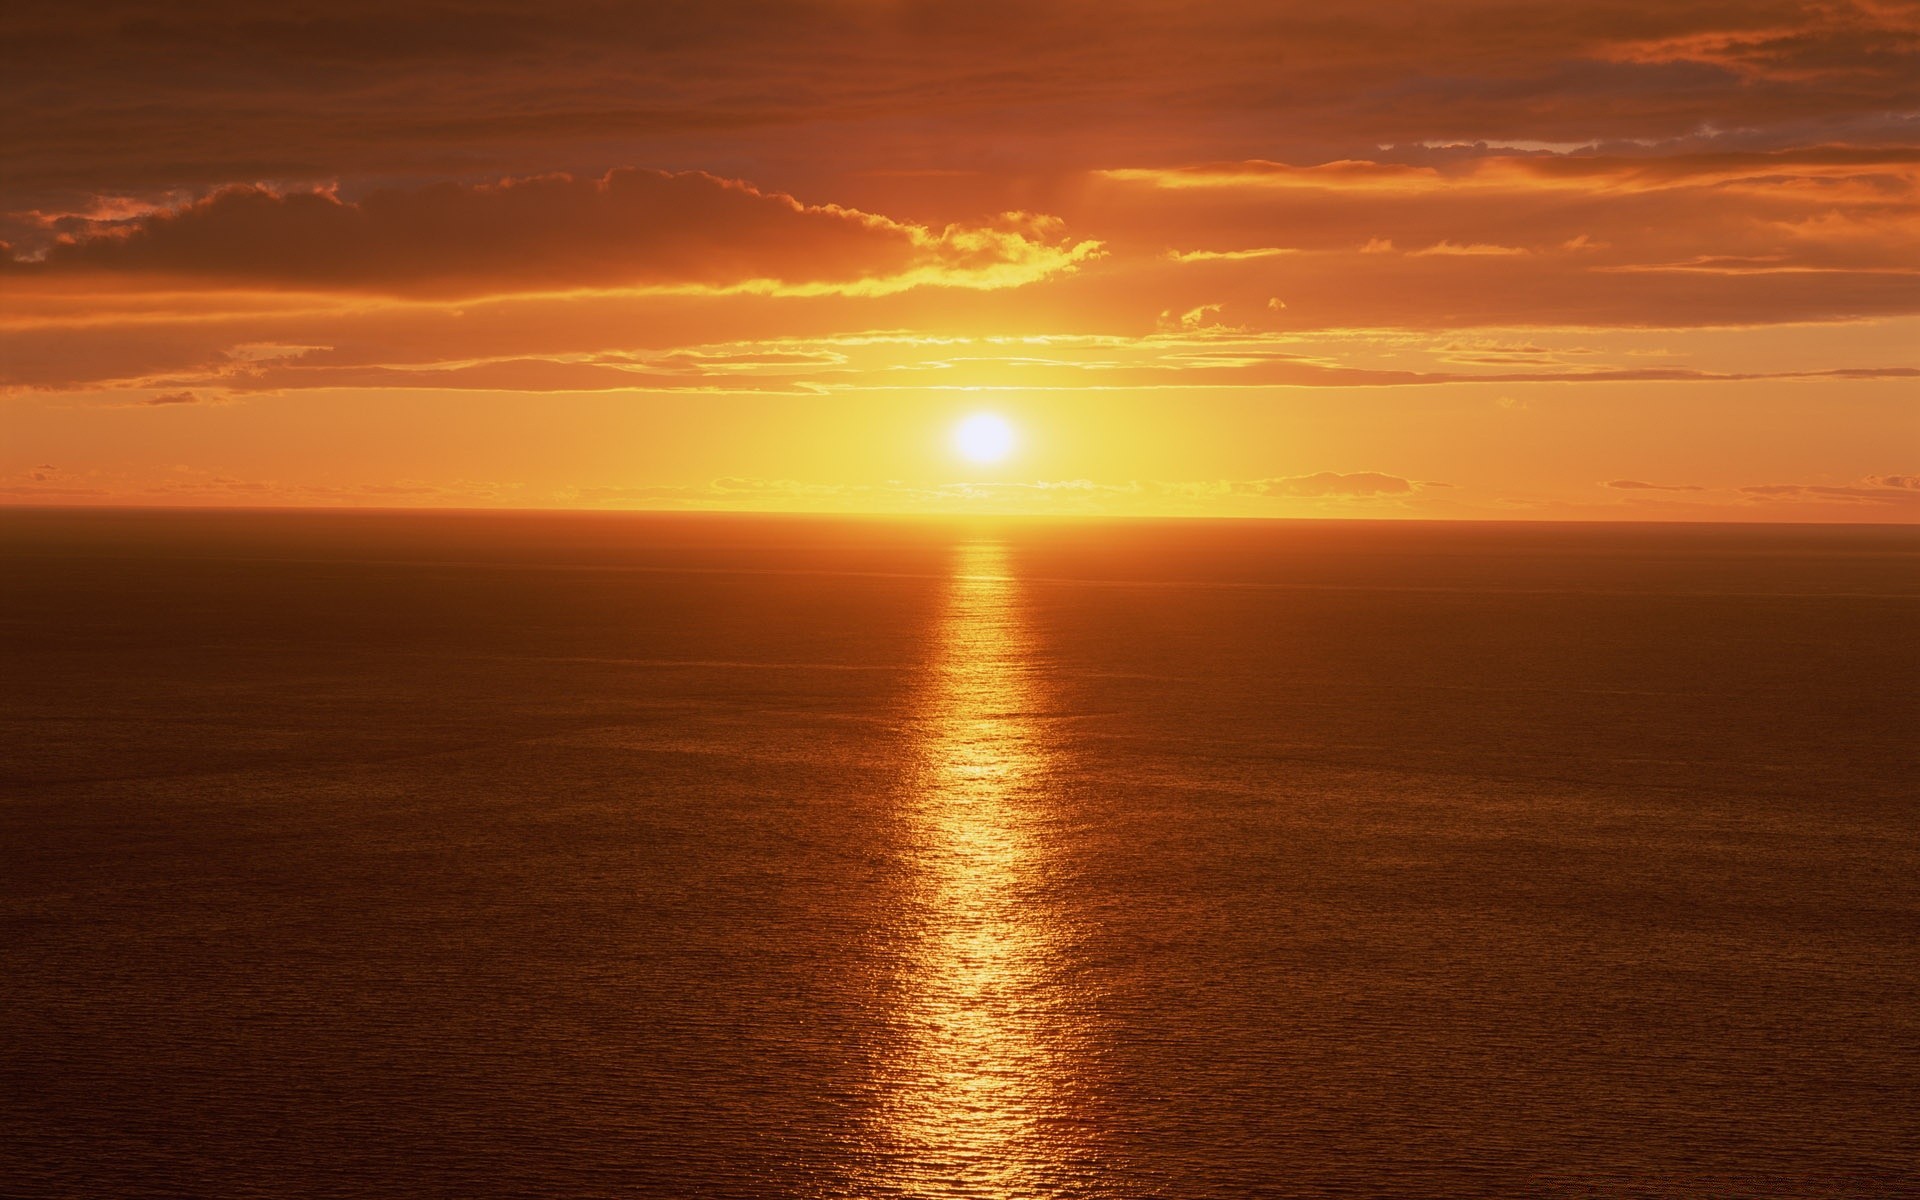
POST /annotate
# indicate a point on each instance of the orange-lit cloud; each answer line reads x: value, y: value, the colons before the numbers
x: 1235, y: 257
x: 628, y: 228
x: 1333, y: 483
x: 1637, y: 485
x: 1898, y: 490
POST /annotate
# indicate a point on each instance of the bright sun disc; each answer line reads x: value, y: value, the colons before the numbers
x: 984, y: 438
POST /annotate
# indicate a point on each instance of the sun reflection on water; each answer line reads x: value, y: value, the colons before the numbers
x: 979, y: 1101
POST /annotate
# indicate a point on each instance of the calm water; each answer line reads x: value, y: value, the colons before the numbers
x: 388, y: 856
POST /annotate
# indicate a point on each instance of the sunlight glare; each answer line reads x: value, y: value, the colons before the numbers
x: 995, y: 1047
x: 984, y: 438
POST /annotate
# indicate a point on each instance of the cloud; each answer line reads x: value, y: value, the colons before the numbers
x: 1703, y: 195
x: 573, y: 373
x: 1065, y: 495
x: 1814, y: 43
x: 371, y: 207
x: 1330, y: 483
x: 770, y: 346
x: 1191, y: 256
x: 1635, y: 485
x: 1446, y: 249
x: 116, y: 97
x: 188, y: 485
x: 1346, y: 175
x: 28, y: 493
x: 628, y: 228
x: 1896, y: 490
x: 1666, y: 236
x: 1202, y: 320
x: 1655, y: 205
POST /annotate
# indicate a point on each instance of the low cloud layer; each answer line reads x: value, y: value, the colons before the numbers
x: 628, y: 228
x: 1636, y: 485
x: 1895, y: 490
x: 683, y: 252
x: 1331, y: 483
x: 547, y: 344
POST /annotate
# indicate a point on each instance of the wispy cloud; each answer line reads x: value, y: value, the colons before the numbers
x: 1636, y: 485
x: 1897, y: 490
x: 1247, y: 255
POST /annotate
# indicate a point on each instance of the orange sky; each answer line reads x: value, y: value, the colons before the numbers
x: 1629, y: 259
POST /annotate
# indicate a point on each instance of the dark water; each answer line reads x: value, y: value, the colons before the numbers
x: 579, y: 856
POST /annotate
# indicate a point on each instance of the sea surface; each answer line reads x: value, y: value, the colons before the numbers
x: 469, y: 856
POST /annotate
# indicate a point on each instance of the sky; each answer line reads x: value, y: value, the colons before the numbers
x: 1630, y: 259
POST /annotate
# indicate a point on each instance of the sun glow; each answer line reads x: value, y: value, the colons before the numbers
x: 985, y: 438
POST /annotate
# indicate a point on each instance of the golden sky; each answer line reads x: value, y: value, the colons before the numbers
x: 1616, y: 260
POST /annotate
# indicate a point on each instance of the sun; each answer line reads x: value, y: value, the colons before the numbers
x: 984, y: 438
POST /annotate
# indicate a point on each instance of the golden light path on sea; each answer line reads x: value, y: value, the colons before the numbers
x: 980, y: 1099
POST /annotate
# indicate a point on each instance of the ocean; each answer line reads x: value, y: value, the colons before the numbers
x: 617, y: 855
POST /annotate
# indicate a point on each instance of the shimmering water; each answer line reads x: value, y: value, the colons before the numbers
x: 478, y: 856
